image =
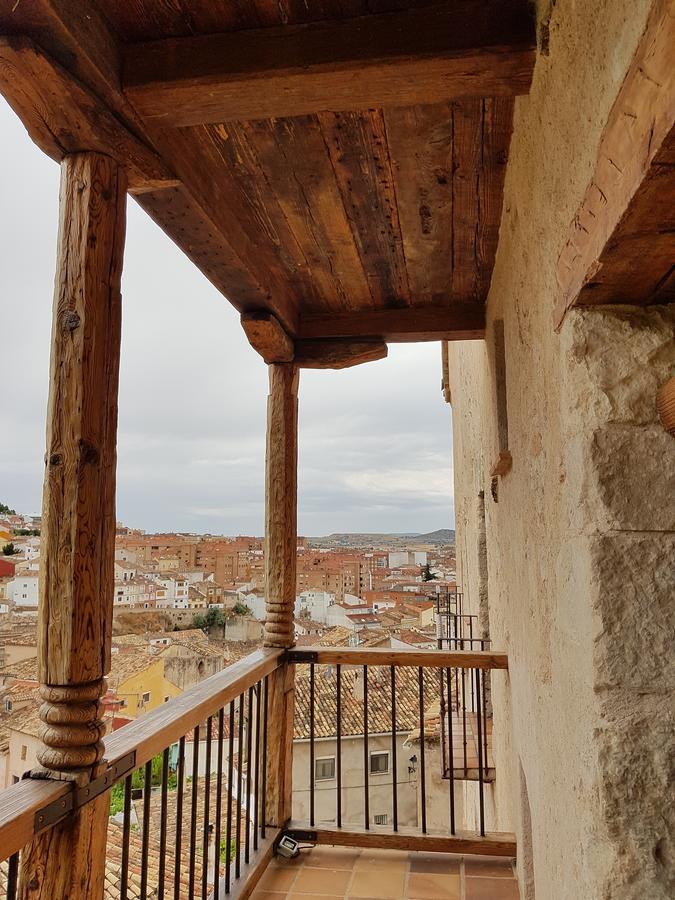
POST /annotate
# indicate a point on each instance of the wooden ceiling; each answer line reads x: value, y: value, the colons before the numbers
x: 338, y: 165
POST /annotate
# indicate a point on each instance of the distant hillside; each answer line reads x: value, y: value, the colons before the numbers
x: 384, y: 541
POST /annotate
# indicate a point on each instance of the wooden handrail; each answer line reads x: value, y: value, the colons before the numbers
x: 146, y: 737
x: 163, y: 726
x: 383, y: 656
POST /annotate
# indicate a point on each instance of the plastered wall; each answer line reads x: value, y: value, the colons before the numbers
x: 581, y: 537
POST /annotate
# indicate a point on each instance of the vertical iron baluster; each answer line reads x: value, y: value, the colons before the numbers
x: 237, y: 830
x: 423, y: 779
x: 230, y: 769
x: 366, y: 798
x: 311, y: 745
x: 263, y: 799
x: 256, y: 799
x: 249, y: 743
x: 219, y: 804
x: 338, y: 715
x: 481, y: 799
x: 126, y: 829
x: 207, y: 809
x: 12, y: 876
x: 162, y: 824
x: 394, y: 768
x: 451, y: 753
x: 193, y: 811
x: 179, y: 817
x: 473, y: 704
x: 145, y: 837
x: 464, y: 719
x: 485, y: 734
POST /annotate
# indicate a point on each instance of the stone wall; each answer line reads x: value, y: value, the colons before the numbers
x: 580, y: 534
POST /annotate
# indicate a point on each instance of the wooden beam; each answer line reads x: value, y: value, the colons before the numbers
x: 454, y: 322
x: 492, y: 844
x: 268, y: 337
x: 63, y: 117
x: 383, y: 656
x: 640, y: 121
x: 337, y: 354
x: 391, y: 59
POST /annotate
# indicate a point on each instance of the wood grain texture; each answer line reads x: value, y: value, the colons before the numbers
x: 337, y: 354
x: 493, y: 844
x: 456, y: 321
x: 78, y: 516
x: 281, y: 708
x: 639, y: 124
x: 382, y: 656
x: 359, y: 153
x: 294, y: 159
x: 63, y: 117
x: 20, y: 803
x: 281, y: 538
x: 267, y: 337
x: 404, y: 58
x: 68, y: 860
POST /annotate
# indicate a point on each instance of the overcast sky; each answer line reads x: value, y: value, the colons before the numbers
x: 375, y: 446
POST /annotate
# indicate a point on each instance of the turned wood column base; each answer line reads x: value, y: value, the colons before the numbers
x: 73, y: 727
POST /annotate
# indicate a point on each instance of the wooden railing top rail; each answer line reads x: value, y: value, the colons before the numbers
x: 384, y: 656
x: 163, y: 726
x: 145, y: 737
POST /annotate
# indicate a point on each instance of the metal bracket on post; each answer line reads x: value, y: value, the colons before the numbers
x: 302, y: 656
x: 301, y: 835
x: 79, y: 796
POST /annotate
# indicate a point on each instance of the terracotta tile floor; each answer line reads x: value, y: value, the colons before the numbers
x: 336, y: 873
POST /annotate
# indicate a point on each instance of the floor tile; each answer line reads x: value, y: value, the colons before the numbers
x: 332, y: 857
x: 267, y: 895
x: 493, y: 868
x: 377, y: 883
x: 431, y: 886
x: 392, y: 860
x: 278, y: 879
x: 491, y: 889
x: 321, y: 881
x: 441, y: 863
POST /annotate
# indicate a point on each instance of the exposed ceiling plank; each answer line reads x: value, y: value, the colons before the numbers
x: 455, y: 322
x: 404, y: 58
x: 639, y: 125
x: 338, y: 354
x: 63, y: 117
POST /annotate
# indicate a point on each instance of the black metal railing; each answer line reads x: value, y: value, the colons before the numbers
x: 423, y: 721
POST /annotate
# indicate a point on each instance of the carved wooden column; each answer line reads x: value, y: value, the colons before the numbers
x: 78, y: 518
x: 280, y: 577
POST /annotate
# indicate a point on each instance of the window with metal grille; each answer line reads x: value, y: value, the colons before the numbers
x: 380, y: 820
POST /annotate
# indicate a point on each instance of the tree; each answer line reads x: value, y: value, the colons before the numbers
x: 215, y: 618
x: 6, y: 511
x: 199, y: 621
x: 9, y: 549
x: 241, y: 609
x: 427, y: 574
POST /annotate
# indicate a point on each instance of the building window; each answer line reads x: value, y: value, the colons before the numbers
x: 324, y: 768
x: 146, y: 697
x: 24, y: 751
x: 123, y: 703
x: 380, y: 820
x: 8, y: 705
x: 379, y: 763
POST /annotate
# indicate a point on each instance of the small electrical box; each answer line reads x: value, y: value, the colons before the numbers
x: 287, y: 847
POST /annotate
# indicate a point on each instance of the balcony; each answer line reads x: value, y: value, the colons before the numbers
x: 332, y: 748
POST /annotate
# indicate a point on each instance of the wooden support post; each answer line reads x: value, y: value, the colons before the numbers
x: 78, y: 519
x: 281, y: 539
x: 280, y: 580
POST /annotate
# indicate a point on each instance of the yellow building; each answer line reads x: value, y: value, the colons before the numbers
x: 138, y: 679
